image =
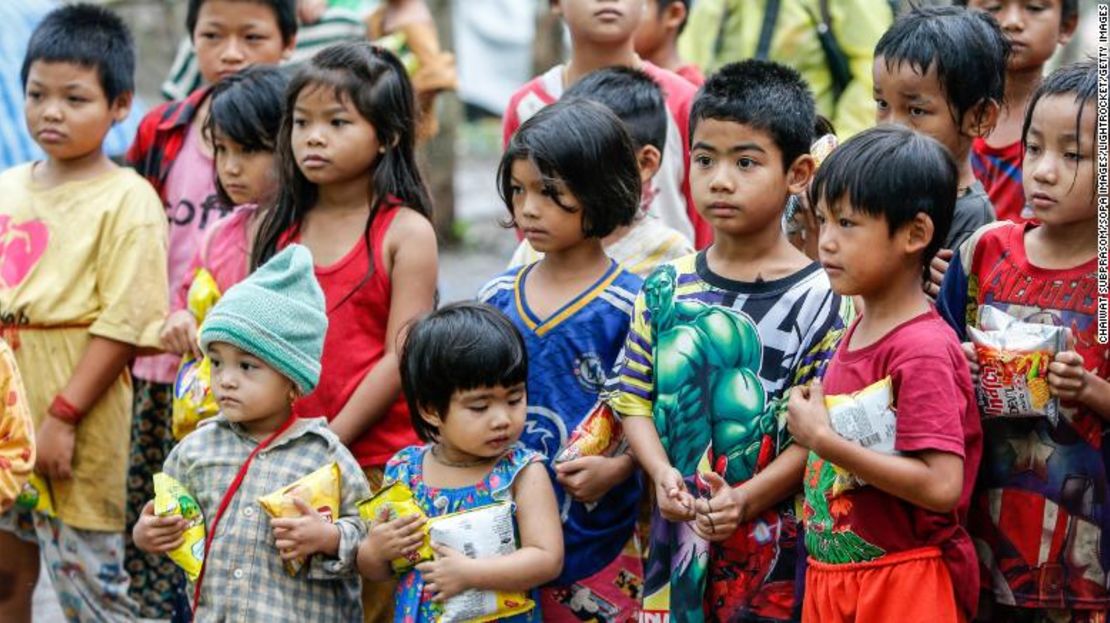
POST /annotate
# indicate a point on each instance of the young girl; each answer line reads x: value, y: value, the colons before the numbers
x: 244, y: 117
x: 1038, y: 514
x: 351, y: 192
x: 573, y: 308
x: 464, y: 369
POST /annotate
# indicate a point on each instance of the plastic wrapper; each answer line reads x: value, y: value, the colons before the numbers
x: 866, y: 417
x: 484, y: 532
x: 398, y: 43
x: 599, y: 434
x: 35, y: 496
x: 171, y: 499
x: 192, y: 388
x: 1013, y: 366
x: 395, y: 501
x: 320, y: 490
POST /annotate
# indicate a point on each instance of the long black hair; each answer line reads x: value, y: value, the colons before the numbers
x: 376, y: 83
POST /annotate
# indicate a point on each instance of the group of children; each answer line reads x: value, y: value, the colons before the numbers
x: 301, y: 197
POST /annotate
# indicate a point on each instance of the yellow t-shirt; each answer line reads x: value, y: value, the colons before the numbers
x: 17, y: 431
x: 80, y: 259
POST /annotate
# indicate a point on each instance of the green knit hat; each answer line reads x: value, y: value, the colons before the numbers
x: 276, y: 314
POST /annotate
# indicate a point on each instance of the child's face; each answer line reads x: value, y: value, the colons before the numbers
x: 482, y: 422
x: 737, y: 177
x: 1033, y: 27
x: 548, y: 215
x: 1058, y: 171
x: 601, y: 21
x: 246, y: 176
x: 652, y: 32
x: 331, y: 141
x: 232, y: 35
x: 858, y: 250
x: 248, y: 390
x: 66, y: 109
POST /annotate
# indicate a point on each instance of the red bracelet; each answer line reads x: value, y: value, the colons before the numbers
x: 64, y: 410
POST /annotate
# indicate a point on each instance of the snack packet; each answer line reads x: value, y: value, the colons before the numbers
x: 35, y: 496
x: 483, y: 532
x: 1013, y: 365
x: 599, y: 434
x: 192, y: 388
x: 171, y: 499
x: 320, y: 489
x: 393, y: 502
x: 866, y: 417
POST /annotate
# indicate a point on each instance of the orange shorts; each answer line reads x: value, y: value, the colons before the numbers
x: 907, y: 587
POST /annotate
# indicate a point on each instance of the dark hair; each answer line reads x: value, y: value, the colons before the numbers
x: 1068, y: 9
x: 663, y: 4
x: 377, y: 85
x: 246, y: 107
x: 822, y: 126
x: 765, y: 95
x: 89, y: 36
x: 586, y: 146
x: 967, y: 47
x: 634, y: 97
x: 285, y: 12
x: 463, y: 346
x: 1079, y: 79
x: 892, y: 172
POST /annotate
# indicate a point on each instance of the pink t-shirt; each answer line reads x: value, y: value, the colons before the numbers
x: 191, y: 206
x: 224, y: 253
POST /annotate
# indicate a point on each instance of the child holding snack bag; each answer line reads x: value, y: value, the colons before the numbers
x: 264, y: 338
x: 463, y: 370
x: 1039, y: 511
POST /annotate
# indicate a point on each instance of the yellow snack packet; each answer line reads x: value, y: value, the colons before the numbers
x: 866, y: 417
x: 35, y: 496
x: 320, y: 490
x: 484, y: 532
x: 393, y: 502
x: 172, y: 499
x: 192, y: 388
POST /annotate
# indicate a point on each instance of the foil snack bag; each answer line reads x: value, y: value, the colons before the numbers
x: 393, y: 502
x: 192, y: 388
x: 172, y: 499
x: 599, y: 434
x: 35, y: 496
x: 320, y: 490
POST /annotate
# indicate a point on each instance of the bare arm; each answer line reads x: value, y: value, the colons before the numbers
x: 779, y: 480
x: 674, y: 501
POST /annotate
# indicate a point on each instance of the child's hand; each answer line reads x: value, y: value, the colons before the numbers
x: 807, y: 418
x: 54, y: 443
x: 397, y: 538
x: 972, y: 360
x: 675, y: 502
x: 300, y: 537
x: 179, y: 334
x: 589, y: 478
x: 937, y: 268
x: 1067, y: 378
x: 718, y: 517
x: 158, y: 535
x: 446, y: 576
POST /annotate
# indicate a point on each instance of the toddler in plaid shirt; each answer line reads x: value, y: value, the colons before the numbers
x: 264, y: 338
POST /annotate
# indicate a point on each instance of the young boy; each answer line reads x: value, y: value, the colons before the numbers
x: 657, y: 37
x: 1034, y: 29
x: 636, y: 99
x: 716, y: 339
x: 1039, y: 515
x: 170, y: 151
x: 604, y: 36
x: 264, y: 338
x: 922, y: 69
x: 83, y: 270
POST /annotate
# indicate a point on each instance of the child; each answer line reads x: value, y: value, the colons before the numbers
x: 716, y: 339
x: 1033, y: 30
x: 1038, y: 515
x: 351, y: 192
x: 572, y: 307
x: 893, y: 549
x: 922, y: 68
x: 604, y: 36
x: 264, y: 338
x: 636, y: 99
x: 242, y: 125
x: 84, y: 276
x: 17, y: 431
x: 228, y: 35
x: 464, y: 369
x: 657, y: 37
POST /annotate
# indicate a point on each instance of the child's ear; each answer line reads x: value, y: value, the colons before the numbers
x: 648, y: 159
x: 431, y: 417
x: 917, y: 234
x: 1067, y: 29
x: 800, y: 173
x: 673, y: 15
x: 287, y: 51
x: 980, y: 120
x: 121, y: 107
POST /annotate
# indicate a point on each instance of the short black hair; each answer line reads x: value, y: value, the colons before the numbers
x: 462, y: 346
x: 892, y: 172
x: 764, y: 95
x: 1077, y: 79
x: 285, y: 11
x: 1068, y: 9
x: 90, y: 36
x: 967, y: 47
x: 585, y: 145
x: 634, y: 97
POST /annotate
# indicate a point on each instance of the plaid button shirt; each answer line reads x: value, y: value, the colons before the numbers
x: 160, y: 136
x: 244, y: 579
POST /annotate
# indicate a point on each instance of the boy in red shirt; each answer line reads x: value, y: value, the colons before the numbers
x: 885, y: 508
x: 657, y: 37
x: 602, y: 35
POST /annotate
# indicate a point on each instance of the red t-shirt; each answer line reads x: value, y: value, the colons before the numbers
x: 999, y: 170
x: 935, y: 405
x: 692, y: 74
x: 358, y: 312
